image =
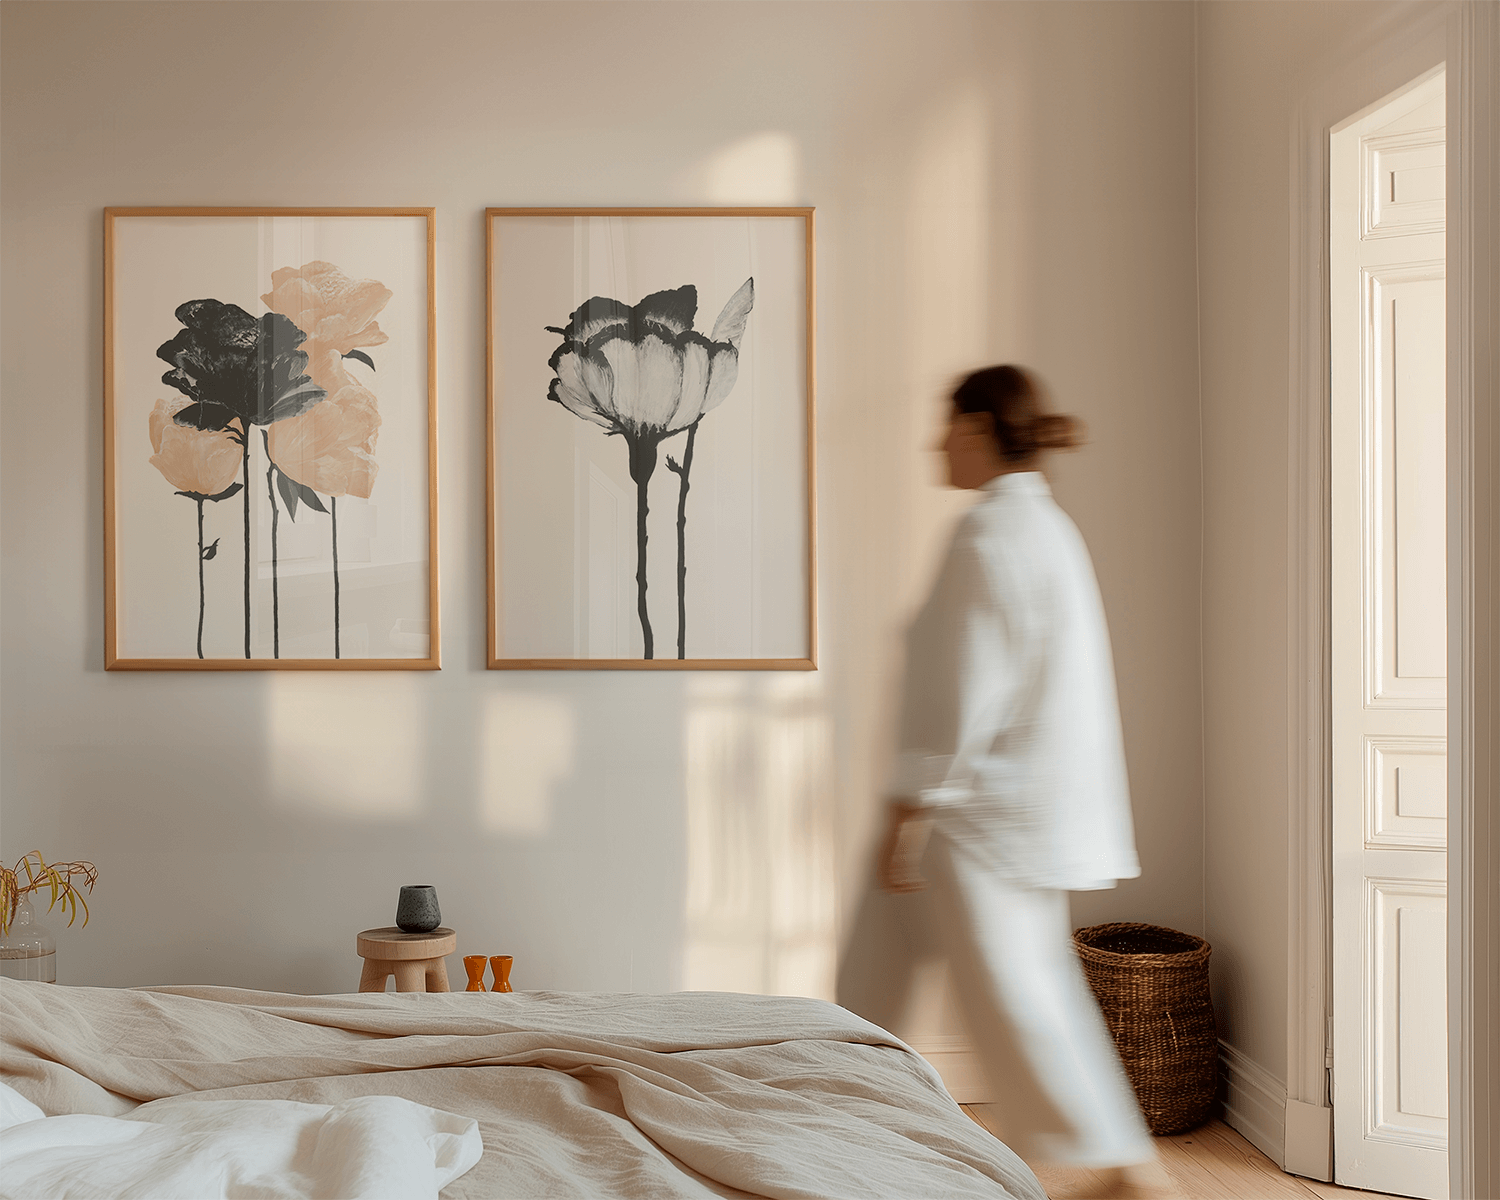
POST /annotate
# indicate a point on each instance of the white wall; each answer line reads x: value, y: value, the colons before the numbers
x: 993, y: 182
x: 1257, y: 62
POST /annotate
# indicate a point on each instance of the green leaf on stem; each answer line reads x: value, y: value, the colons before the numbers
x: 292, y: 492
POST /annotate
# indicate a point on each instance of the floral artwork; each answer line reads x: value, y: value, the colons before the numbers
x: 201, y: 464
x: 644, y: 374
x: 270, y: 439
x: 650, y: 451
x: 284, y: 374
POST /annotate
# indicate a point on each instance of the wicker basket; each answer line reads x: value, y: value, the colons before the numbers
x: 1152, y: 984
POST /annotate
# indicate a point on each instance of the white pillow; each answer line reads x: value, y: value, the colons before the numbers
x: 15, y: 1109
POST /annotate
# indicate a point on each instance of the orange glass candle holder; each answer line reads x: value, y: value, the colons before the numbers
x: 500, y: 964
x: 474, y: 965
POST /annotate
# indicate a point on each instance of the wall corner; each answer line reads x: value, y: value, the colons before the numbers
x: 1255, y: 1103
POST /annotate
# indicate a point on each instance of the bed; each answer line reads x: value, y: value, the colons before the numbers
x: 574, y: 1094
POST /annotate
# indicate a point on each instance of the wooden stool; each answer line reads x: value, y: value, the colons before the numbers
x: 415, y: 959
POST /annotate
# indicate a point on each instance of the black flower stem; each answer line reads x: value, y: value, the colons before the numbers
x: 682, y: 491
x: 640, y: 563
x: 275, y: 586
x: 642, y: 464
x: 200, y: 577
x: 245, y: 444
x: 333, y: 510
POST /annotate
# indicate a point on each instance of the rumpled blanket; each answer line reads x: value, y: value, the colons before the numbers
x: 368, y: 1148
x: 576, y: 1094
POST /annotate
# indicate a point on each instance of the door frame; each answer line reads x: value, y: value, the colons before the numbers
x: 1474, y: 608
x: 1464, y: 34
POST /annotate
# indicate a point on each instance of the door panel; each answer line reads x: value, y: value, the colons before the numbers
x: 1418, y: 403
x: 1407, y: 784
x: 1404, y: 516
x: 1406, y: 175
x: 1388, y: 647
x: 1409, y: 1035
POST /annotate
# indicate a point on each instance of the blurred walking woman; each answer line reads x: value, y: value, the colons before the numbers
x: 1010, y: 754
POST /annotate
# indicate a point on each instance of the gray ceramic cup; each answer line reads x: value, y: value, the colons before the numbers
x: 417, y: 911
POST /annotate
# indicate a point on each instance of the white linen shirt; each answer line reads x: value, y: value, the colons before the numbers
x: 1010, y: 728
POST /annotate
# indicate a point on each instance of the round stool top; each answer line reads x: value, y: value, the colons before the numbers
x: 396, y: 945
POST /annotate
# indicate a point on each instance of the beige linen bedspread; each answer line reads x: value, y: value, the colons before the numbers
x: 576, y: 1094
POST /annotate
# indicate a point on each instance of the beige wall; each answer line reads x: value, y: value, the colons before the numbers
x: 1257, y: 63
x: 993, y: 182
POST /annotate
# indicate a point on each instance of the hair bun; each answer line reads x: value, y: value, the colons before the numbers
x: 1014, y: 398
x: 1056, y: 431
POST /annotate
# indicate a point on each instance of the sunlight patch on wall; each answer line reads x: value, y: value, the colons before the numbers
x: 760, y: 901
x: 760, y: 169
x: 345, y: 751
x: 526, y: 750
x: 949, y: 236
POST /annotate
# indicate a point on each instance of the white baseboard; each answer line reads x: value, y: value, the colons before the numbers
x: 1254, y: 1103
x: 954, y: 1059
x: 1309, y: 1140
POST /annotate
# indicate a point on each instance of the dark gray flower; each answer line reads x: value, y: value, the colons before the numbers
x: 643, y: 371
x: 232, y: 365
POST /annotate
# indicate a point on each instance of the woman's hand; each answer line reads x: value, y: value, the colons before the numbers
x: 901, y: 848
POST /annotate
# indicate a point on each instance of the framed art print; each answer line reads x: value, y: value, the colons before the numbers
x: 270, y: 446
x: 650, y: 458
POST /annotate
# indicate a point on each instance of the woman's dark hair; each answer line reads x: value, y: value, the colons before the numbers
x: 1013, y: 397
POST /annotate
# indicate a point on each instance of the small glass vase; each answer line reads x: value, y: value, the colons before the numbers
x: 28, y: 951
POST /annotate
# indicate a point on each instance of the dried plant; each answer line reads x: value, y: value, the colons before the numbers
x: 57, y: 878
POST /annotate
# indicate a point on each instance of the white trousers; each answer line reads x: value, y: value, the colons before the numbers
x: 1058, y: 1090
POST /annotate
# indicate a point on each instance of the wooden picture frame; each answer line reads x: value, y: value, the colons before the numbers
x: 285, y: 423
x: 596, y: 309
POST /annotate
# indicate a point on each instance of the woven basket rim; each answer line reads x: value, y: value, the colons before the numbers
x: 1194, y: 949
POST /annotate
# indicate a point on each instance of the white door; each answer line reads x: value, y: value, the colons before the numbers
x: 1389, y: 646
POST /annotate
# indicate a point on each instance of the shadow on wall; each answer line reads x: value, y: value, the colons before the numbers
x: 688, y: 847
x: 551, y: 836
x: 1035, y: 204
x: 760, y: 902
x: 980, y: 199
x: 923, y: 220
x: 552, y: 811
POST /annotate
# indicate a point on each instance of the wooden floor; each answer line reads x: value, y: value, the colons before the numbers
x: 1211, y: 1163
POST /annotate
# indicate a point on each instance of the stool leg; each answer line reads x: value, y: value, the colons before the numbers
x: 437, y: 975
x: 411, y: 976
x: 372, y: 977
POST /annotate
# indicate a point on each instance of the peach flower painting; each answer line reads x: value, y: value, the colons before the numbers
x: 201, y: 464
x: 330, y: 448
x: 287, y: 373
x: 337, y: 314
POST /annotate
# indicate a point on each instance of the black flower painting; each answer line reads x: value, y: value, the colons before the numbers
x: 643, y: 373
